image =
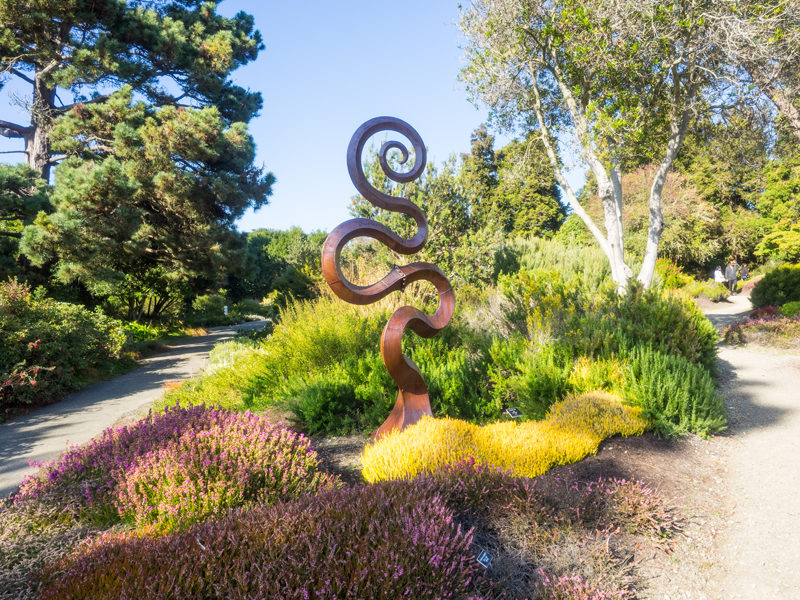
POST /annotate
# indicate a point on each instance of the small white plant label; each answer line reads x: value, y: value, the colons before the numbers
x: 484, y: 559
x: 514, y: 413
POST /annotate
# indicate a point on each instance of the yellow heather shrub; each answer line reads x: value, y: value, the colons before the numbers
x: 572, y: 430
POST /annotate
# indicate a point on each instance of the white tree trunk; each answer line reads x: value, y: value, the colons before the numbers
x: 610, y: 194
x: 656, y: 226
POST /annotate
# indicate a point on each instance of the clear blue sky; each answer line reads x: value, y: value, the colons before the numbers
x: 328, y: 67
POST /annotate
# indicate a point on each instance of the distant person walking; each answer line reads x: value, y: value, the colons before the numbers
x: 744, y: 273
x: 730, y: 276
x: 718, y: 276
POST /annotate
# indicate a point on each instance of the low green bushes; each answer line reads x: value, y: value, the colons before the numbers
x: 542, y: 336
x: 791, y: 309
x: 44, y: 344
x: 777, y: 287
x: 675, y: 396
x: 713, y: 290
x: 209, y: 311
x: 560, y: 308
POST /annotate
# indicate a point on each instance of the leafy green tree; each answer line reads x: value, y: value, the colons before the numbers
x: 723, y: 159
x: 512, y: 189
x: 526, y: 200
x: 170, y: 52
x: 610, y: 75
x: 22, y: 195
x: 146, y: 190
x: 284, y: 261
x: 780, y: 202
x: 479, y: 173
x: 458, y: 242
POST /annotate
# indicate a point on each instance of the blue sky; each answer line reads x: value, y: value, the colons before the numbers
x: 328, y: 67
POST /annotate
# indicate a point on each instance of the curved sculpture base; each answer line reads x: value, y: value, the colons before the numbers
x: 408, y: 409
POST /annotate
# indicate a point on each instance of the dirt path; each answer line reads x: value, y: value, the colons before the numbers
x: 759, y: 553
x: 729, y: 312
x: 43, y: 434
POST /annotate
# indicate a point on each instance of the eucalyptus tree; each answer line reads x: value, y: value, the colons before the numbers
x: 613, y: 75
x: 762, y: 42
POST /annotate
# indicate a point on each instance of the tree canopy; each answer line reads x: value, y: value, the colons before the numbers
x: 614, y: 75
x: 146, y: 187
x: 176, y: 52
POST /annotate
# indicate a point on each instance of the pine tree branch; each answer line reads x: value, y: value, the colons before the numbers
x: 21, y: 75
x: 11, y: 234
x: 14, y: 151
x: 68, y: 107
x: 54, y: 159
x: 12, y: 130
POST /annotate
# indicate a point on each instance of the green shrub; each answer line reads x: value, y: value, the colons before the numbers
x: 670, y: 323
x: 675, y: 395
x: 671, y: 275
x: 44, y: 344
x: 777, y: 287
x: 209, y: 306
x: 247, y: 307
x: 600, y: 323
x: 529, y: 377
x: 790, y: 309
x: 322, y: 361
x: 713, y: 290
x: 144, y: 332
x: 588, y: 264
x: 355, y: 395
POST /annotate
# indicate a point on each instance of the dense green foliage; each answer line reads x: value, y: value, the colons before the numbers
x: 777, y: 287
x: 143, y: 204
x: 540, y: 335
x: 675, y: 395
x: 157, y: 200
x: 781, y: 203
x: 282, y: 265
x: 44, y: 344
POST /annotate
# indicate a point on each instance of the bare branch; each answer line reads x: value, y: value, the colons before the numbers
x: 95, y: 100
x: 21, y: 75
x: 12, y: 130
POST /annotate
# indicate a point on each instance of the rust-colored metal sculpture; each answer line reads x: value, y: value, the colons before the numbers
x: 412, y: 400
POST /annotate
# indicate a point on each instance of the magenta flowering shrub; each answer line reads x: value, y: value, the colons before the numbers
x: 766, y: 313
x: 770, y: 329
x: 239, y: 458
x: 575, y: 587
x: 174, y: 468
x: 379, y: 541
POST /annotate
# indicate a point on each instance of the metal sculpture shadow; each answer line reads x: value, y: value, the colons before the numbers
x: 412, y: 400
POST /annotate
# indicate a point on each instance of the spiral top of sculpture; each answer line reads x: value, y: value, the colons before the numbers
x: 412, y: 399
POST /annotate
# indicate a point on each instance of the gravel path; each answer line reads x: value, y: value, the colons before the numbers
x: 43, y: 434
x: 735, y: 309
x: 759, y: 553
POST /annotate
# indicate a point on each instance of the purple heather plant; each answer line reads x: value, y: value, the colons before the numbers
x: 173, y: 468
x: 380, y: 541
x: 575, y: 587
